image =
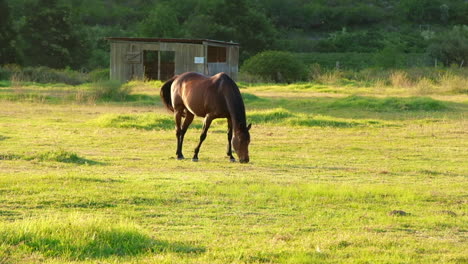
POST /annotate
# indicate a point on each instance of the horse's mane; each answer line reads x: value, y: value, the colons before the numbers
x: 235, y: 104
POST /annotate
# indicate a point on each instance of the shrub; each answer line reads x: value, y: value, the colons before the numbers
x: 8, y: 70
x: 278, y: 66
x: 4, y: 74
x: 359, y: 61
x: 109, y: 90
x: 389, y: 57
x: 42, y: 74
x: 99, y: 75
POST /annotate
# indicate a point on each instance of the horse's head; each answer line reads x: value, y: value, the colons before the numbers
x: 240, y: 143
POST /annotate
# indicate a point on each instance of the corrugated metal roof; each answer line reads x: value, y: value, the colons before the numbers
x: 172, y: 40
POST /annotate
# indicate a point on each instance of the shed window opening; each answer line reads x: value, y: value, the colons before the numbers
x: 158, y: 65
x: 216, y: 54
x: 150, y: 62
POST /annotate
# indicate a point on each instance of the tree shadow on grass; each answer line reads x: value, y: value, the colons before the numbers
x: 131, y: 244
x: 96, y: 243
x: 80, y: 161
x: 286, y: 117
x: 388, y: 108
x: 57, y: 156
x: 146, y: 121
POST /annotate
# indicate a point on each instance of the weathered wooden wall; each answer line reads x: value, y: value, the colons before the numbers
x: 230, y: 66
x: 126, y: 59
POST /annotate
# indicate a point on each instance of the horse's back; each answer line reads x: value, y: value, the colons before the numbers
x: 200, y: 94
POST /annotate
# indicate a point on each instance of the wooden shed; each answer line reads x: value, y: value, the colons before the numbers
x: 160, y: 59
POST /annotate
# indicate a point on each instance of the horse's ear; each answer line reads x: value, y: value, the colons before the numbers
x: 249, y: 126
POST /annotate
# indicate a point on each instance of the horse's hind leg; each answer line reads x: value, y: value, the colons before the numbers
x: 229, y: 145
x: 181, y: 129
x: 206, y: 126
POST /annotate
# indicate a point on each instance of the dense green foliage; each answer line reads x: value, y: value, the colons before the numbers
x: 62, y: 33
x: 49, y: 37
x: 7, y: 35
x: 452, y: 46
x: 277, y: 66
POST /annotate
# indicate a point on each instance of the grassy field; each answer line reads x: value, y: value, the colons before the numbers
x: 338, y: 174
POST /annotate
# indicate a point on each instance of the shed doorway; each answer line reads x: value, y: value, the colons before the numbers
x: 158, y: 65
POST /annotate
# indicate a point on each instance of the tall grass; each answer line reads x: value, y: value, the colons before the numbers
x: 400, y: 79
x: 454, y: 83
x: 43, y: 74
x: 420, y: 81
x: 103, y: 91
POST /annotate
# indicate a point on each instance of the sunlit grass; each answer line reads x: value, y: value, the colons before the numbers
x: 98, y: 182
x: 141, y: 121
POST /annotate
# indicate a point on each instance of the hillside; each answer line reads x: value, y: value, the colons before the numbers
x: 74, y: 30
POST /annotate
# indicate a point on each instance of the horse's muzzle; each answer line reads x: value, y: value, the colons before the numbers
x: 244, y: 160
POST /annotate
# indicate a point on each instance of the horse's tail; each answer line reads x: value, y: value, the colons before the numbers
x: 166, y: 94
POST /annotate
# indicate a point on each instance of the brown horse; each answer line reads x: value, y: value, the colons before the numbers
x: 191, y: 94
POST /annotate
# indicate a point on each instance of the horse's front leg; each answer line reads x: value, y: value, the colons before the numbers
x: 206, y: 126
x: 229, y: 145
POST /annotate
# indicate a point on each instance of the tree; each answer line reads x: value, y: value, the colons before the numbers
x: 161, y: 22
x: 50, y: 37
x: 226, y: 20
x: 451, y: 47
x: 8, y: 52
x: 244, y: 24
x: 422, y: 11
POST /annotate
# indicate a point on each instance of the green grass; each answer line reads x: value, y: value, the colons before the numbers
x: 140, y: 121
x: 98, y: 182
x: 4, y: 83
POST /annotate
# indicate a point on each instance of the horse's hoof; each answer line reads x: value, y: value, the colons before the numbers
x: 232, y: 160
x: 195, y: 160
x: 180, y: 158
